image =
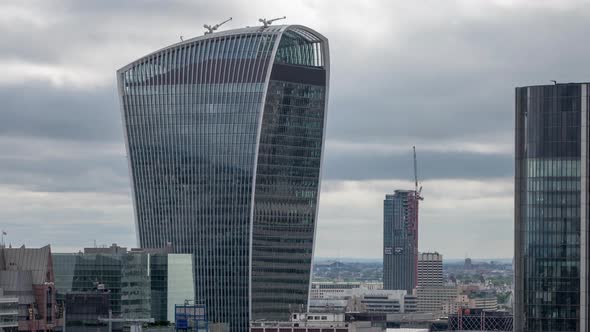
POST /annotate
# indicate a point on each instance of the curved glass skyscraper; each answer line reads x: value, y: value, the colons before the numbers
x: 551, y: 208
x: 224, y: 136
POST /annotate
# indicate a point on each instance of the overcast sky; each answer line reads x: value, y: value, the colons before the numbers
x: 436, y: 74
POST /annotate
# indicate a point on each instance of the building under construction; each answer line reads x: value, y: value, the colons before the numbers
x: 400, y: 237
x: 400, y: 240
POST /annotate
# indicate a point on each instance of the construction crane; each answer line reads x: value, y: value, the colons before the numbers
x: 266, y: 22
x: 417, y: 190
x: 211, y: 29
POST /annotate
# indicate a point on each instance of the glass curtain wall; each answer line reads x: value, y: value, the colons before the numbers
x: 287, y: 180
x: 207, y: 166
x: 191, y: 116
x: 548, y: 207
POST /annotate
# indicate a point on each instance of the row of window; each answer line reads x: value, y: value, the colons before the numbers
x: 553, y: 168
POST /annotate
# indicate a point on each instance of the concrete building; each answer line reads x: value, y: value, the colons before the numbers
x: 142, y: 283
x: 551, y: 208
x: 431, y: 299
x: 321, y: 290
x: 366, y: 300
x: 27, y: 274
x: 432, y: 293
x: 400, y: 240
x: 430, y: 269
x: 452, y: 306
x: 224, y: 135
x: 386, y: 301
x: 314, y: 322
x: 486, y: 303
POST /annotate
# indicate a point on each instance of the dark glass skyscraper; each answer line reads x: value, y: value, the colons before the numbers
x: 225, y: 135
x: 400, y: 240
x: 551, y: 208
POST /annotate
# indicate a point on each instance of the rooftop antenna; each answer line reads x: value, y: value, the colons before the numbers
x: 266, y: 22
x: 211, y: 29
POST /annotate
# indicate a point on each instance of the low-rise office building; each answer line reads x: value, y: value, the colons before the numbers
x: 366, y: 300
x: 143, y: 283
x: 314, y: 322
x: 431, y: 299
x: 323, y: 289
x: 84, y: 310
x: 486, y: 303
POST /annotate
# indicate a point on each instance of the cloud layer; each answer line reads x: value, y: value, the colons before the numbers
x: 438, y: 75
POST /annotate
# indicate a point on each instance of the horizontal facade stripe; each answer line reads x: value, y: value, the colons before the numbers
x: 295, y: 74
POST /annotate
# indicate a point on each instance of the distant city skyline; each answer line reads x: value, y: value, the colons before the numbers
x: 438, y: 75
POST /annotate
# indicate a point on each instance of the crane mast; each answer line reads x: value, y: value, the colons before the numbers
x: 266, y: 22
x: 211, y: 29
x: 417, y: 190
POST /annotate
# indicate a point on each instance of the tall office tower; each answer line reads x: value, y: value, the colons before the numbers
x: 224, y: 134
x: 551, y: 208
x: 400, y: 240
x: 430, y: 269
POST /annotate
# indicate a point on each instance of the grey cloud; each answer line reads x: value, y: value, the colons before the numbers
x: 81, y: 232
x: 105, y: 174
x: 413, y: 78
x: 38, y: 109
x: 432, y: 165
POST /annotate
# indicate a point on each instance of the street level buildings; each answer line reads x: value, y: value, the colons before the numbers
x: 27, y: 275
x: 551, y: 208
x: 486, y: 303
x: 366, y: 300
x: 144, y: 283
x: 224, y: 136
x: 432, y: 298
x: 431, y: 291
x: 83, y: 310
x: 328, y: 289
x: 400, y: 240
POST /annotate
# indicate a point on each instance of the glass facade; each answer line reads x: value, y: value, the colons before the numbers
x: 83, y: 311
x: 400, y: 241
x: 548, y: 193
x: 137, y: 282
x: 224, y: 135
